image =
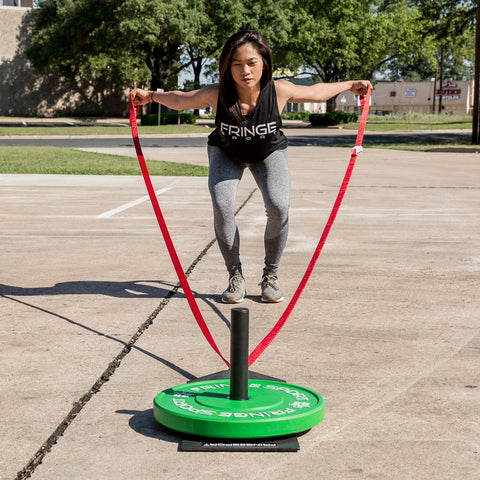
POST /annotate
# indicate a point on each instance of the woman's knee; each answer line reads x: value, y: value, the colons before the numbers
x: 223, y: 205
x: 277, y: 209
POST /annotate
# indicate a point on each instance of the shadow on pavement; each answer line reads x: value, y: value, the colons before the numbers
x: 130, y: 289
x: 144, y: 423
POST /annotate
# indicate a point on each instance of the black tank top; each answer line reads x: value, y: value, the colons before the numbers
x: 257, y: 136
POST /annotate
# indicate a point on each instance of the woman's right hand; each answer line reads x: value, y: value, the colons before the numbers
x: 140, y: 96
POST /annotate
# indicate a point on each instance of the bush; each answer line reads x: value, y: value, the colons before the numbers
x: 169, y: 119
x: 332, y: 118
x: 303, y: 115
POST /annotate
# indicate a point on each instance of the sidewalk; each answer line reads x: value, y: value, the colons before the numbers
x: 387, y: 330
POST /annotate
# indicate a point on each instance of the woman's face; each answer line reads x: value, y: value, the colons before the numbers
x: 246, y: 66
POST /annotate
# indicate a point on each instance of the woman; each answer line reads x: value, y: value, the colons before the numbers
x: 248, y: 104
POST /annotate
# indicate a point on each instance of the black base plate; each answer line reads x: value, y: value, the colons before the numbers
x: 284, y: 444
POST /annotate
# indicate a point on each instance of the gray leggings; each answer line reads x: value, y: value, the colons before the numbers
x: 273, y: 179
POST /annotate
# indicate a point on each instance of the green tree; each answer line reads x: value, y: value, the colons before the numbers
x: 221, y: 19
x: 448, y: 27
x: 111, y: 42
x: 346, y: 39
x: 225, y: 17
x: 115, y: 44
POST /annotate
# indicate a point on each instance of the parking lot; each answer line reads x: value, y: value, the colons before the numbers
x: 387, y: 330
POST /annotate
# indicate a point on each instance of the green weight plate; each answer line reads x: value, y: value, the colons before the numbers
x: 273, y: 409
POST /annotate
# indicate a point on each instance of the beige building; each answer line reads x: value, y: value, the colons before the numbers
x: 24, y: 93
x: 17, y: 3
x: 10, y: 20
x: 419, y: 97
x: 403, y: 97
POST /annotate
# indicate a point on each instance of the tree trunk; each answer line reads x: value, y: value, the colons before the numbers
x: 197, y: 71
x: 332, y: 104
x: 163, y: 75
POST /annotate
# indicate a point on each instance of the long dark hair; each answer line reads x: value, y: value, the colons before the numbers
x: 227, y: 91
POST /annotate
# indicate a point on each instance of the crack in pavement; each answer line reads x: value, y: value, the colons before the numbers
x: 37, y: 458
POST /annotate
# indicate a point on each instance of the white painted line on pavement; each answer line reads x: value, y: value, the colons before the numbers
x: 126, y: 206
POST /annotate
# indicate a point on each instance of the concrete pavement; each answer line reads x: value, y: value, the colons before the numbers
x: 387, y: 330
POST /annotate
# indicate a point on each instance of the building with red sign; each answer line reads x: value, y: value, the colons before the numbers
x: 419, y: 97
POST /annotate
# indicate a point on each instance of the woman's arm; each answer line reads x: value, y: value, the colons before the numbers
x: 177, y: 100
x: 320, y: 92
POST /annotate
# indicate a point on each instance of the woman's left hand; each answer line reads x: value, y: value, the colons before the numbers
x: 360, y: 87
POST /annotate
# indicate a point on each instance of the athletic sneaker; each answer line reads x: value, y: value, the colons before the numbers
x: 270, y: 291
x: 235, y: 293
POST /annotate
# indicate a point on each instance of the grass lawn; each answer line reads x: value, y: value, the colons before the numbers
x: 416, y: 122
x: 50, y: 160
x: 412, y: 145
x: 66, y: 161
x: 98, y: 130
x: 392, y: 127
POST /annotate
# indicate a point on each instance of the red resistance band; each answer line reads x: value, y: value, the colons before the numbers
x: 166, y: 235
x: 364, y: 102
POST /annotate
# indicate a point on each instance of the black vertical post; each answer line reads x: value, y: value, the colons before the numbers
x: 440, y: 96
x: 476, y: 86
x: 239, y: 354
